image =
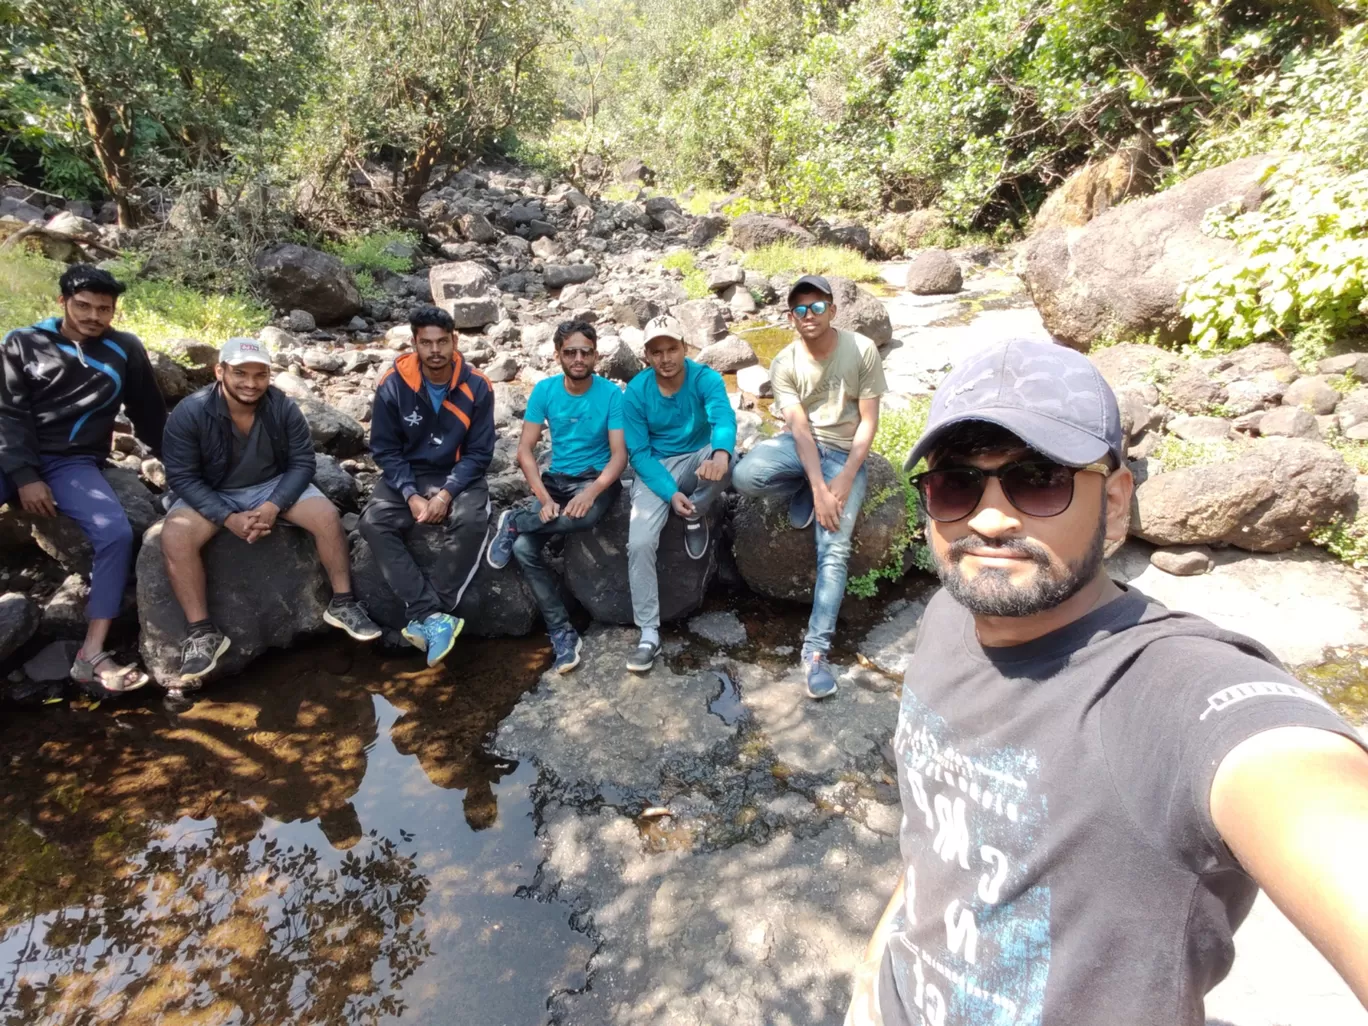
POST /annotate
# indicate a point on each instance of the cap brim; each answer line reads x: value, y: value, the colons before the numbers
x: 1061, y: 442
x: 238, y: 362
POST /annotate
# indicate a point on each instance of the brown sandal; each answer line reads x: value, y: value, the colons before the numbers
x: 113, y: 678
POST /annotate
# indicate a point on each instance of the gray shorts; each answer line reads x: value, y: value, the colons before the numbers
x: 240, y: 500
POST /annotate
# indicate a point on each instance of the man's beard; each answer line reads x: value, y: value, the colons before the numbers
x: 245, y: 402
x: 991, y: 592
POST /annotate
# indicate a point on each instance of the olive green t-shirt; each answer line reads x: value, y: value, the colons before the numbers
x: 829, y: 390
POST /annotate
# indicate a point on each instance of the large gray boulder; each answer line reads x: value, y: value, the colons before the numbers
x: 858, y: 309
x: 332, y: 430
x: 596, y: 567
x: 264, y: 595
x: 62, y: 538
x: 1268, y: 499
x: 728, y: 355
x: 461, y: 288
x: 702, y: 321
x: 1123, y: 273
x: 557, y: 276
x: 752, y: 231
x: 298, y: 278
x: 777, y: 561
x: 934, y: 272
x: 496, y: 603
x: 18, y: 622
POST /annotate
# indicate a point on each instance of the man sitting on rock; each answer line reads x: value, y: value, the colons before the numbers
x: 588, y: 454
x: 239, y: 455
x: 827, y: 385
x: 432, y: 436
x: 681, y: 433
x: 62, y: 382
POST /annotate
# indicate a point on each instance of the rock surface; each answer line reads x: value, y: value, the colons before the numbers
x: 934, y: 272
x: 858, y: 309
x: 18, y: 622
x: 777, y: 561
x: 1095, y: 188
x: 596, y: 567
x: 752, y: 231
x: 264, y: 595
x: 1122, y: 273
x: 1265, y: 500
x: 296, y: 277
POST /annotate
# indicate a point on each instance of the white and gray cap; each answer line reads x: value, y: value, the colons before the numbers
x: 1050, y: 397
x: 238, y: 351
x: 663, y: 326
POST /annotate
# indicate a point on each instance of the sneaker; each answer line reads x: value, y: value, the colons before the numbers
x: 566, y: 643
x: 644, y: 657
x: 500, y: 550
x: 351, y: 617
x: 696, y: 537
x: 416, y: 635
x: 441, y: 630
x: 802, y: 509
x: 200, y: 654
x: 820, y: 681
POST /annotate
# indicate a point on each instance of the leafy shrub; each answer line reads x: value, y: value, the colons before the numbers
x: 160, y: 311
x: 695, y: 281
x: 28, y: 289
x: 368, y: 252
x: 786, y: 258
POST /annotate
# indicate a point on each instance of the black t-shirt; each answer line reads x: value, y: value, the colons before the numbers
x: 1062, y: 866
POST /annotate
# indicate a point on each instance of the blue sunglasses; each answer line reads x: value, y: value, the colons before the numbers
x: 801, y: 310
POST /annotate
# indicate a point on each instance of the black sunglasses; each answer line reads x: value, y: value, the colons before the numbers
x: 1038, y: 488
x: 801, y: 310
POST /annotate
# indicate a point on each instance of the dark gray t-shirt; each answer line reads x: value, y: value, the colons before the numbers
x: 253, y: 461
x: 1062, y: 865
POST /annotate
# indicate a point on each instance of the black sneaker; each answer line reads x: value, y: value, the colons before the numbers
x: 696, y: 537
x: 351, y: 617
x: 644, y: 657
x: 802, y: 508
x: 199, y: 655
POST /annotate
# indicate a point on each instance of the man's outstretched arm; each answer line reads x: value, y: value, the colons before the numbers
x: 1291, y: 803
x: 864, y: 1009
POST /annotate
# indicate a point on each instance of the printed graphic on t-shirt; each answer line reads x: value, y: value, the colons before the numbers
x: 1237, y: 693
x: 979, y: 936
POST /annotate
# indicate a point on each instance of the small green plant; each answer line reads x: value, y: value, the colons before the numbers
x: 1345, y: 540
x: 695, y: 281
x: 376, y: 251
x: 786, y: 258
x: 1343, y: 383
x: 1177, y: 454
x: 28, y: 288
x: 1355, y: 453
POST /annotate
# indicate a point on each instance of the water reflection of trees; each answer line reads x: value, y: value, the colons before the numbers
x: 201, y: 930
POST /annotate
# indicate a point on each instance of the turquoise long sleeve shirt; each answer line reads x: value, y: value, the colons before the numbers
x: 660, y: 426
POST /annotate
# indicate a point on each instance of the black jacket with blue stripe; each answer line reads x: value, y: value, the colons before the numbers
x: 60, y: 399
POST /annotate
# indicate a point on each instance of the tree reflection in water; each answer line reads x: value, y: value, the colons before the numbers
x: 198, y: 929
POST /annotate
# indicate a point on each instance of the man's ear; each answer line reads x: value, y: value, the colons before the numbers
x: 1120, y: 490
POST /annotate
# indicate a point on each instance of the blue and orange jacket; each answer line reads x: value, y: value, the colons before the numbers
x: 414, y: 445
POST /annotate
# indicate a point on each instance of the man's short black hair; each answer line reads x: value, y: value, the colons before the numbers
x: 88, y: 278
x: 972, y: 438
x: 430, y: 317
x: 567, y: 328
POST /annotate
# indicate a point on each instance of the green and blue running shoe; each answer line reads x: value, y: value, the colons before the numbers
x: 441, y: 631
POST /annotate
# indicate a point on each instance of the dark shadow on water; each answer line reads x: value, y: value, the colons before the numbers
x: 322, y: 840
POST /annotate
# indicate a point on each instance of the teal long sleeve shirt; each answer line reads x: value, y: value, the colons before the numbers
x: 658, y: 426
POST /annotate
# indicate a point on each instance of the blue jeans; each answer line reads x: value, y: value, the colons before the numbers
x: 82, y: 493
x: 533, y: 536
x: 772, y: 469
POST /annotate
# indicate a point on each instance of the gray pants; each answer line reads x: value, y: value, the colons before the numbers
x: 649, y: 513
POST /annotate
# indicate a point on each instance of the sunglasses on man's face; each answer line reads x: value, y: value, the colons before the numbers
x: 818, y: 308
x: 1038, y: 488
x: 578, y: 354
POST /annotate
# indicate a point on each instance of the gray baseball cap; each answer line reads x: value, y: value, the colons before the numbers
x: 810, y: 281
x: 1050, y: 397
x: 244, y: 350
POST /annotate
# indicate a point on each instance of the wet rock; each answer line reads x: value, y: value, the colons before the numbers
x: 557, y: 276
x: 1266, y: 500
x: 596, y: 567
x: 752, y: 231
x: 702, y: 321
x: 1123, y: 273
x: 264, y: 595
x: 296, y: 277
x: 779, y: 562
x: 934, y: 272
x: 1183, y: 562
x: 1312, y: 394
x: 332, y: 430
x: 496, y: 603
x: 1289, y: 422
x: 334, y: 482
x: 721, y: 628
x: 18, y: 622
x: 728, y: 355
x: 888, y: 647
x: 62, y: 538
x: 859, y: 310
